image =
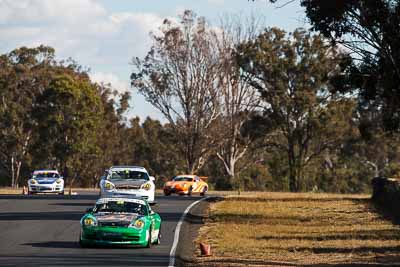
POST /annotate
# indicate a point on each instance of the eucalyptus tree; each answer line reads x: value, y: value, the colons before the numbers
x: 178, y: 77
x: 69, y: 112
x: 24, y: 74
x: 293, y: 74
x: 369, y: 31
x: 237, y: 99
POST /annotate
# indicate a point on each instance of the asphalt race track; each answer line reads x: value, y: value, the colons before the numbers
x: 43, y: 230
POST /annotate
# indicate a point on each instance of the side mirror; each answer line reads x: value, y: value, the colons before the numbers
x: 89, y: 210
x: 152, y: 178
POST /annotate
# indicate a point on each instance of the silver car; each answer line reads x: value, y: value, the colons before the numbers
x: 128, y: 180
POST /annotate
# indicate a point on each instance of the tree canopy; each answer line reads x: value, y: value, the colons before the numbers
x: 292, y: 73
x: 267, y: 110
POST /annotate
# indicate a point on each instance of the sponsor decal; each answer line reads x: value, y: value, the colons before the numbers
x: 115, y: 217
x: 106, y: 200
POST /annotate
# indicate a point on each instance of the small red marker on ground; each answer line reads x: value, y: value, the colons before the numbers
x: 205, y: 249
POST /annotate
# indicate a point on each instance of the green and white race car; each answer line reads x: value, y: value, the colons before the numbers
x: 120, y: 221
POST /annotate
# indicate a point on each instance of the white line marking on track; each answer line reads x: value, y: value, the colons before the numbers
x: 177, y: 230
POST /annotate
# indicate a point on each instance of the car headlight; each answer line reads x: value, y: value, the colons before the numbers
x: 89, y: 221
x: 59, y: 181
x: 139, y: 224
x: 146, y: 186
x: 33, y: 181
x: 109, y: 186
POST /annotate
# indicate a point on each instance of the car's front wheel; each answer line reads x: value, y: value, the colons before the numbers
x: 158, y: 241
x: 81, y: 243
x: 204, y: 191
x: 190, y: 191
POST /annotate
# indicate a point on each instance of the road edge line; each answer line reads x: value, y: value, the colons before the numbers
x: 177, y: 231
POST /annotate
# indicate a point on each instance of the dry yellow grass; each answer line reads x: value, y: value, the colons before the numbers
x: 10, y: 191
x: 301, y: 228
x: 18, y: 191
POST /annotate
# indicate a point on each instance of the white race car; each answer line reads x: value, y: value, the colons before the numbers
x: 46, y: 181
x: 128, y: 180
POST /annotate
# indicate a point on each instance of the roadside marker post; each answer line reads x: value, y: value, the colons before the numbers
x: 205, y: 249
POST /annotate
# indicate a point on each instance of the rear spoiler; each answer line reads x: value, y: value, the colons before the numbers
x: 203, y: 177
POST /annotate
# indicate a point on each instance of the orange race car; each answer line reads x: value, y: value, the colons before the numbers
x: 186, y: 184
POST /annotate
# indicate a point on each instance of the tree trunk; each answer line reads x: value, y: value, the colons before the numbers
x: 65, y: 173
x: 292, y: 169
x: 12, y: 172
x: 375, y: 167
x: 189, y: 159
x: 299, y: 176
x: 191, y: 168
x: 292, y: 179
x: 232, y: 175
x: 95, y: 181
x: 17, y: 174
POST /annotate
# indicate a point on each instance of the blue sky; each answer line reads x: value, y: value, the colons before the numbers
x: 105, y: 34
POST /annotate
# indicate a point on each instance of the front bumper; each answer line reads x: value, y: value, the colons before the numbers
x: 140, y: 193
x: 174, y: 190
x: 46, y: 188
x: 113, y: 236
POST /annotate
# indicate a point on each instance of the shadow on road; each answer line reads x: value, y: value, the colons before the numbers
x: 50, y: 197
x: 85, y: 196
x: 53, y: 244
x: 72, y: 204
x: 54, y: 215
x: 176, y: 216
x: 92, y: 259
x: 176, y: 197
x: 170, y: 216
x: 75, y: 244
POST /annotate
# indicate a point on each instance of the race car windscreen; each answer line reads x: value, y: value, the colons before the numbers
x: 183, y: 179
x: 121, y: 207
x: 46, y: 175
x: 129, y: 175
